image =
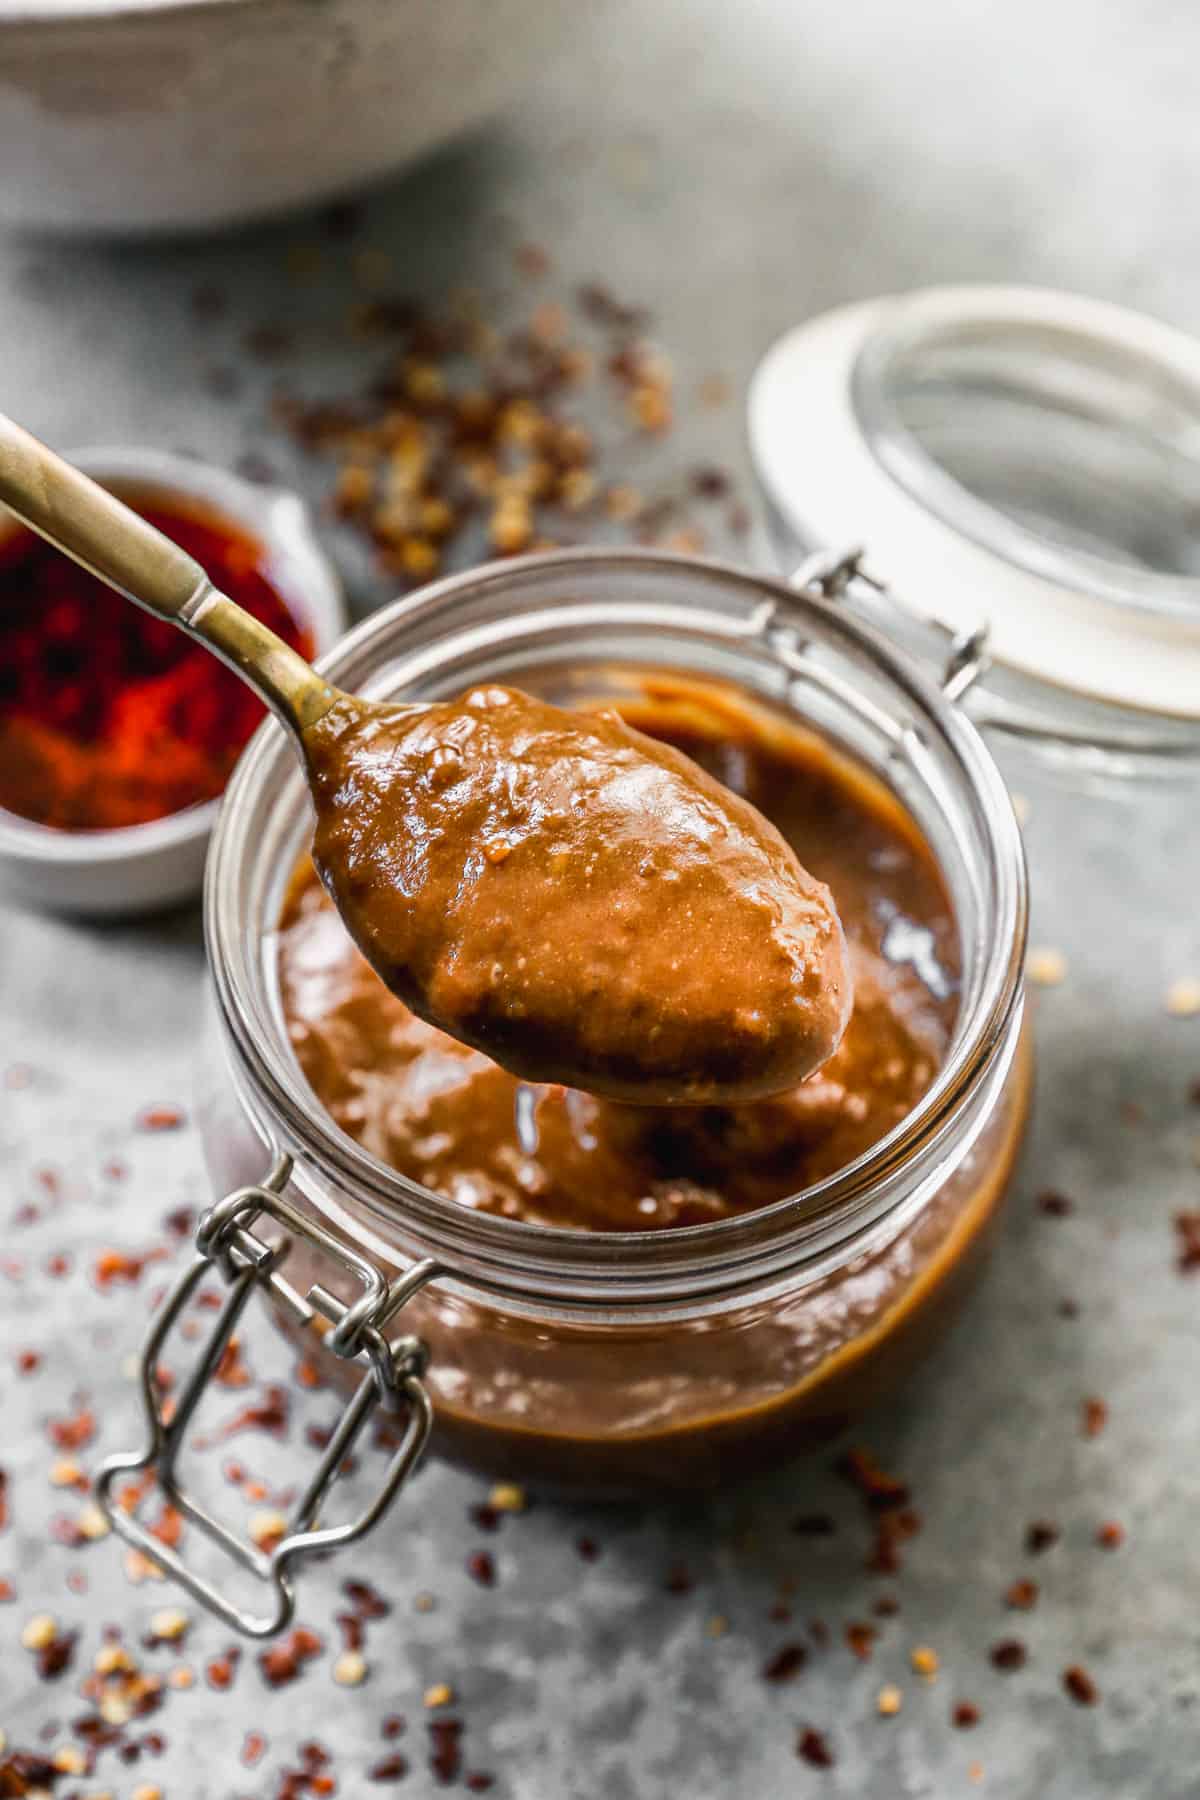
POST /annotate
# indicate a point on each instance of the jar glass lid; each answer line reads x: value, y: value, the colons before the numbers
x: 1011, y: 460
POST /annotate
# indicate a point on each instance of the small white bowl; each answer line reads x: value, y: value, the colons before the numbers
x: 139, y: 868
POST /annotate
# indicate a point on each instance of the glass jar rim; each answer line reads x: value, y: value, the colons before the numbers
x: 506, y: 1254
x: 1088, y: 660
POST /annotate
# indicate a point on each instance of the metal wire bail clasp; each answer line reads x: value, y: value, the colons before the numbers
x: 226, y: 1242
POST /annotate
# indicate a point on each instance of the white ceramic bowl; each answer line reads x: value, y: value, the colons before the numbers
x: 129, y: 115
x: 142, y: 867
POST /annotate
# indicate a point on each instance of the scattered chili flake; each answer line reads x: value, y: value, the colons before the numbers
x: 1080, y: 1685
x: 282, y: 1662
x: 58, y: 1265
x: 1110, y: 1535
x: 4, y: 1507
x: 394, y: 1726
x: 389, y: 1768
x: 1009, y: 1654
x: 28, y: 1362
x: 965, y: 1715
x: 74, y: 1431
x: 786, y: 1663
x: 507, y: 1497
x: 860, y: 1639
x: 350, y: 1668
x: 886, y: 1606
x: 925, y: 1661
x: 1095, y: 1417
x: 1022, y: 1595
x: 440, y: 1694
x: 1054, y: 1204
x: 7, y: 1591
x: 812, y: 1747
x: 879, y: 1489
x: 366, y: 1600
x: 889, y: 1701
x: 445, y: 1759
x: 220, y: 1670
x: 481, y: 1567
x: 123, y: 1265
x: 56, y: 1657
x: 1068, y: 1309
x: 1041, y: 1535
x: 352, y: 1629
x: 587, y: 1548
x: 254, y: 1746
x: 485, y: 1518
x: 161, y: 1118
x: 180, y: 1221
x: 1187, y: 1231
x: 477, y: 1782
x: 271, y: 1414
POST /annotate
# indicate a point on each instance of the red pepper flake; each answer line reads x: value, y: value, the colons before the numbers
x: 481, y: 1567
x: 814, y: 1525
x: 1022, y: 1595
x: 965, y: 1715
x: 679, y: 1580
x: 7, y: 1591
x: 180, y: 1221
x: 168, y: 1528
x: 587, y: 1548
x: 1111, y: 1535
x: 786, y: 1663
x: 1041, y: 1535
x: 123, y: 1265
x: 477, y: 1782
x: 892, y: 1529
x: 886, y: 1607
x: 351, y: 1628
x: 58, y: 1265
x: 879, y: 1489
x: 254, y: 1747
x: 27, y: 1772
x: 1187, y: 1232
x: 74, y: 1431
x: 389, y: 1768
x: 532, y: 260
x: 485, y: 1517
x: 1009, y: 1654
x: 1080, y: 1685
x: 231, y: 1370
x: 445, y: 1759
x: 271, y: 1414
x: 394, y: 1726
x: 860, y: 1639
x: 161, y: 1118
x: 710, y: 483
x: 308, y: 1375
x: 366, y: 1600
x: 56, y: 1657
x: 4, y: 1509
x: 64, y: 1530
x: 1054, y: 1204
x: 812, y: 1747
x: 283, y: 1662
x: 221, y: 1669
x: 1095, y: 1417
x: 1068, y: 1309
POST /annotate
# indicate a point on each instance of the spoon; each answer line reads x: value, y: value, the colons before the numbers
x: 578, y: 901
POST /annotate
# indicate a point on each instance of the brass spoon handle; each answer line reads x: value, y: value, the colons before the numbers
x: 107, y: 537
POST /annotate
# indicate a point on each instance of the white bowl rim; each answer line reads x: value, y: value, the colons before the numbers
x: 276, y: 515
x: 53, y: 13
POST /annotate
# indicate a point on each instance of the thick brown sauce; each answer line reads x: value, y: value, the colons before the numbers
x: 444, y: 1115
x: 575, y: 900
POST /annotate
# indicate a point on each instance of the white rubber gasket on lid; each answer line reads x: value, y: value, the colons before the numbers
x: 831, y: 488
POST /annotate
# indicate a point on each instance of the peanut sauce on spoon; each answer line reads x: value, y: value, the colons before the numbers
x: 582, y: 903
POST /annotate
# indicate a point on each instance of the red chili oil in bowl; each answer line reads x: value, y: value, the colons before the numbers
x: 108, y: 716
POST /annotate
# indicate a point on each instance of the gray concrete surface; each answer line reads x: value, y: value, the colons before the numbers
x: 735, y: 169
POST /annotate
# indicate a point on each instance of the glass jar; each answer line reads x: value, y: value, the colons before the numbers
x: 623, y: 1364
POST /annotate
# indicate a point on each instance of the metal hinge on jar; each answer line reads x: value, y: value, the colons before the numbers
x: 227, y: 1244
x: 831, y: 573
